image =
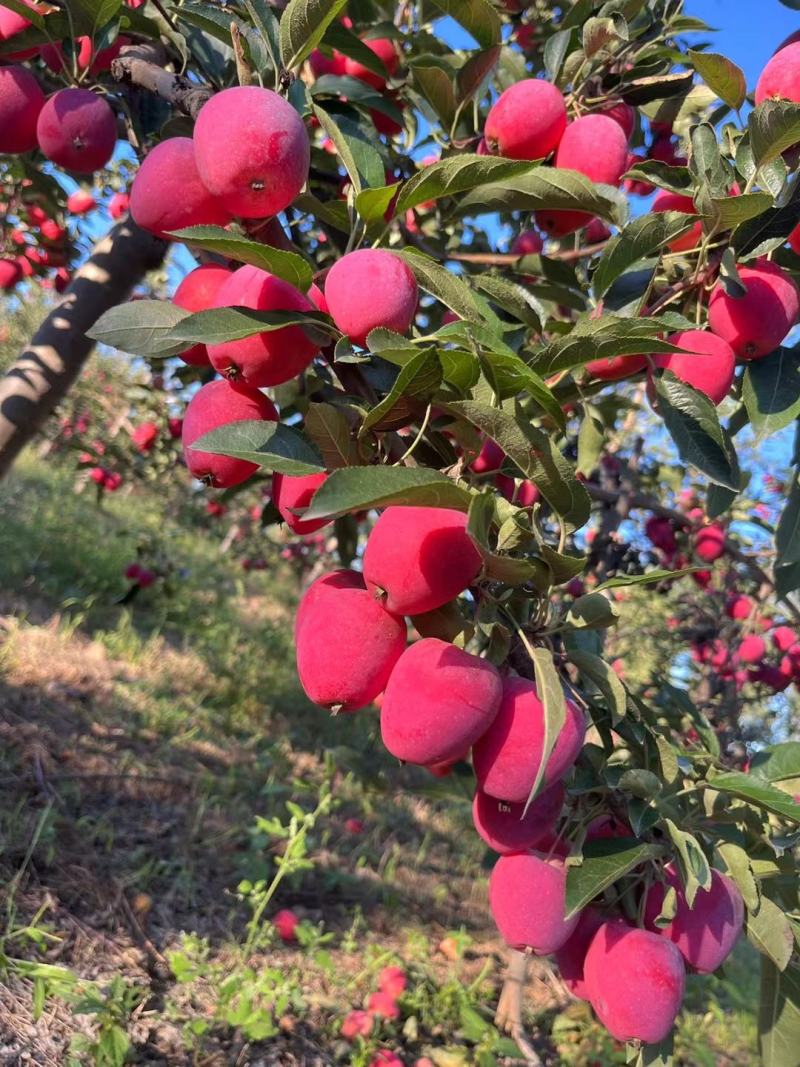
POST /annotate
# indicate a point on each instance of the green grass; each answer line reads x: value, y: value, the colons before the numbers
x: 149, y: 752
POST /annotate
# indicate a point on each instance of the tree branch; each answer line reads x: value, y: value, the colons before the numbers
x: 142, y: 66
x: 47, y: 368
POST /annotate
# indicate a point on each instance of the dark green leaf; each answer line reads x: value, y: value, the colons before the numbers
x: 268, y: 28
x: 289, y: 266
x: 436, y: 85
x: 356, y: 149
x: 551, y: 188
x: 771, y: 390
x: 779, y: 1015
x: 605, y: 861
x: 693, y: 424
x: 643, y: 579
x: 555, y: 52
x: 341, y: 38
x: 662, y: 175
x: 774, y: 126
x: 777, y: 762
x: 722, y: 76
x: 475, y: 72
x: 602, y: 338
x: 303, y: 25
x: 554, y: 711
x: 693, y: 866
x: 231, y: 324
x: 447, y: 287
x: 592, y: 611
x: 597, y: 671
x: 360, y: 488
x: 641, y: 238
x: 757, y: 792
x: 478, y: 18
x: 787, y: 536
x: 458, y: 174
x: 271, y: 445
x: 535, y: 455
x: 417, y: 381
x: 142, y: 327
x: 328, y: 428
x: 771, y: 933
x: 513, y: 297
x: 769, y: 230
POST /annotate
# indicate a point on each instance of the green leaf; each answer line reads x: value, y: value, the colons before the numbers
x: 662, y: 175
x: 142, y: 327
x: 372, y: 204
x: 267, y: 27
x: 649, y: 578
x: 705, y: 160
x: 447, y: 287
x: 605, y: 861
x: 356, y: 149
x: 417, y: 381
x: 457, y: 174
x: 360, y: 488
x: 693, y: 423
x: 756, y: 792
x: 721, y: 75
x: 338, y: 36
x: 597, y: 671
x: 592, y: 611
x: 271, y: 445
x: 553, y: 188
x: 779, y: 1015
x: 730, y: 212
x: 475, y: 72
x: 435, y: 83
x: 769, y: 230
x: 328, y: 428
x: 787, y: 536
x: 770, y: 932
x: 355, y: 91
x: 289, y: 266
x: 535, y: 455
x: 777, y: 762
x: 693, y: 866
x: 554, y: 712
x: 774, y: 126
x: 216, y: 325
x: 210, y: 20
x: 640, y: 239
x: 555, y: 52
x: 668, y: 758
x: 513, y: 297
x: 478, y: 18
x: 771, y: 391
x: 740, y: 869
x: 303, y: 25
x: 601, y: 338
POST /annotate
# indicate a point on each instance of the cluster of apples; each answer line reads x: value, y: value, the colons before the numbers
x: 364, y: 290
x: 438, y: 703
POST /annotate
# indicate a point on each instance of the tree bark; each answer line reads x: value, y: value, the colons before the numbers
x: 47, y: 368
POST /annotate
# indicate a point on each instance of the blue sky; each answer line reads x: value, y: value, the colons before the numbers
x: 749, y: 30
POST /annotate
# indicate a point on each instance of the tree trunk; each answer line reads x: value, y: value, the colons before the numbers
x: 45, y: 371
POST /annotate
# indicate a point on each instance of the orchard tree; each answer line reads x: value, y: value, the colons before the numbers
x: 500, y: 441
